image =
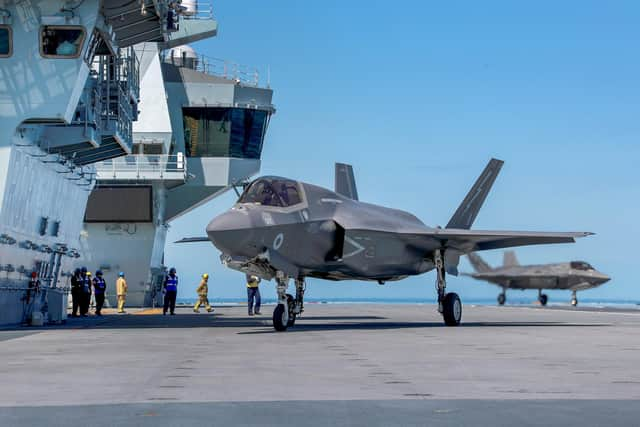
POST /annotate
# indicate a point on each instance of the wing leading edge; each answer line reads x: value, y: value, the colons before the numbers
x: 193, y: 240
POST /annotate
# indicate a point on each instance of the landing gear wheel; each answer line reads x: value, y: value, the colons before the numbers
x: 543, y: 299
x: 452, y: 309
x: 292, y: 315
x: 574, y: 302
x: 502, y: 298
x: 278, y: 318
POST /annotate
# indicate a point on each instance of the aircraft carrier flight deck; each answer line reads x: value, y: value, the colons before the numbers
x: 340, y: 364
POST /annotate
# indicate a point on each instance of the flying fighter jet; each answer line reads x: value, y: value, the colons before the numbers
x: 285, y: 229
x: 575, y: 276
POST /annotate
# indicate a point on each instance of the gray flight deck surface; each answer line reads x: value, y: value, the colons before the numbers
x: 339, y: 365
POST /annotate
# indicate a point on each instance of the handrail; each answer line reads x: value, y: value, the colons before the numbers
x: 203, y: 10
x: 217, y: 67
x: 143, y: 166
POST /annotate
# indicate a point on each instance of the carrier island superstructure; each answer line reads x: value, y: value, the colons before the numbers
x: 110, y: 127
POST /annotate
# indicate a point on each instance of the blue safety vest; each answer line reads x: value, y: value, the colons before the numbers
x: 172, y: 283
x: 100, y: 285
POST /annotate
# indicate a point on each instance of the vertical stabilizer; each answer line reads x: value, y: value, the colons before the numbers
x: 478, y: 264
x: 470, y: 206
x: 345, y: 183
x: 510, y: 259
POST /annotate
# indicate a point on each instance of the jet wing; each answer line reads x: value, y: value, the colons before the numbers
x: 479, y: 240
x: 193, y: 240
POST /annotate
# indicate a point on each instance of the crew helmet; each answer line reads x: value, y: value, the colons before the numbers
x: 172, y: 270
x: 88, y: 273
x: 121, y: 274
x: 76, y: 271
x: 98, y: 272
x: 83, y: 270
x: 205, y: 276
x: 34, y: 274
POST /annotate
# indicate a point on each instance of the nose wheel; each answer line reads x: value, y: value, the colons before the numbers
x: 574, y: 299
x: 289, y: 307
x: 280, y: 320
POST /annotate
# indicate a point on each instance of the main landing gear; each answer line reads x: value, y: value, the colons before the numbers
x: 289, y: 307
x: 542, y: 298
x: 449, y: 304
x: 502, y: 298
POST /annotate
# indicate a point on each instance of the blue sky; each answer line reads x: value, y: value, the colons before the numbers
x: 419, y: 95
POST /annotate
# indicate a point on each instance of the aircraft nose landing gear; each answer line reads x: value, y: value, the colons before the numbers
x: 288, y: 308
x: 449, y: 304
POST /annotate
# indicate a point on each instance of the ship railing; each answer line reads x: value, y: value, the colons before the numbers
x: 198, y: 9
x: 241, y: 74
x: 143, y: 167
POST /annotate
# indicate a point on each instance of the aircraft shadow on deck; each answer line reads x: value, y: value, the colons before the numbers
x: 302, y: 327
x: 218, y: 320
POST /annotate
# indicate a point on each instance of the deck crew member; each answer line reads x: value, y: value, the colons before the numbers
x: 77, y: 283
x: 203, y: 298
x: 32, y: 298
x: 100, y: 287
x: 33, y: 288
x: 121, y: 291
x: 86, y: 292
x: 253, y: 294
x: 170, y: 290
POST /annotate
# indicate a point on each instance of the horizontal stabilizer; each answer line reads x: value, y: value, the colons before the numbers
x: 510, y: 259
x: 193, y: 240
x: 345, y: 181
x: 470, y: 206
x: 478, y: 264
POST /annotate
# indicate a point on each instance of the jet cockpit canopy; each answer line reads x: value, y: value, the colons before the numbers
x: 272, y: 191
x: 581, y: 265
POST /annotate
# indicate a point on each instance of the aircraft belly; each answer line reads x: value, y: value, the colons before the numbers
x: 581, y: 286
x: 537, y: 282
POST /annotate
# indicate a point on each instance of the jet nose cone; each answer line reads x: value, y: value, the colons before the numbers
x: 228, y: 221
x: 602, y: 278
x: 230, y: 231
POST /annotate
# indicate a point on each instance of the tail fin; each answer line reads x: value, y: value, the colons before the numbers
x: 470, y: 206
x: 345, y: 181
x: 478, y: 264
x: 510, y: 259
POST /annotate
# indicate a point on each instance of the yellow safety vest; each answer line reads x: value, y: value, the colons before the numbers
x: 253, y: 283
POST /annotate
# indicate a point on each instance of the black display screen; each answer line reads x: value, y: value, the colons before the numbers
x: 119, y: 204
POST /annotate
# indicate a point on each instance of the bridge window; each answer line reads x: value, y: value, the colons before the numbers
x: 224, y: 132
x: 272, y: 192
x: 61, y: 41
x: 6, y: 42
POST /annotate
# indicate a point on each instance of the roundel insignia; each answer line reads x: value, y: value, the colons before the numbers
x: 277, y: 242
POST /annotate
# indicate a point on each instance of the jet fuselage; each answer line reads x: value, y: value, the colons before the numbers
x: 575, y: 276
x: 315, y: 235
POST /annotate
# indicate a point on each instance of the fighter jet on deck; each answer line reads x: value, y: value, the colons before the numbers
x: 285, y: 229
x: 574, y: 276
